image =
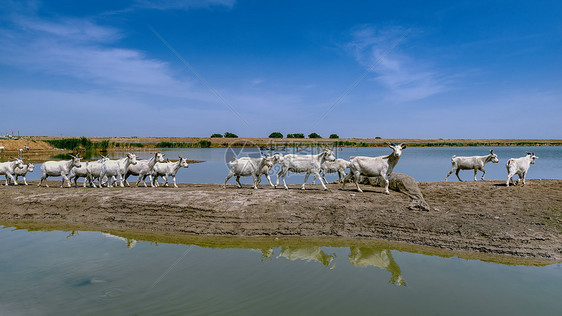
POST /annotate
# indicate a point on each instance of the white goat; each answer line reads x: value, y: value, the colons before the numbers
x: 339, y: 166
x: 94, y: 170
x: 143, y: 168
x: 116, y: 168
x: 8, y: 168
x: 58, y: 169
x: 20, y: 150
x: 519, y: 166
x: 267, y: 168
x: 309, y: 164
x: 76, y: 173
x: 168, y: 169
x: 83, y: 171
x: 26, y: 148
x: 374, y: 166
x: 471, y: 163
x: 23, y: 172
x: 247, y: 166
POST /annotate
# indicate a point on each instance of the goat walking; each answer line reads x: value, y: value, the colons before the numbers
x: 471, y: 163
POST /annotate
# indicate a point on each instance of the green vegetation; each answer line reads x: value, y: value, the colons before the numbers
x: 230, y: 135
x: 344, y: 143
x: 83, y: 144
x: 204, y: 143
x: 295, y: 135
x: 475, y: 144
x: 334, y: 136
x: 199, y: 144
x: 216, y: 135
x: 104, y: 144
x: 75, y: 143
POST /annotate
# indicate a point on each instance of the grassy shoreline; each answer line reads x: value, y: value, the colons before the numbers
x: 119, y: 143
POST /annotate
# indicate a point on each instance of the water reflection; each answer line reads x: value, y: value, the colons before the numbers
x: 307, y: 253
x: 46, y: 273
x: 377, y: 257
x: 130, y: 242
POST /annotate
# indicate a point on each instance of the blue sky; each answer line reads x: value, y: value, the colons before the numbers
x: 459, y: 69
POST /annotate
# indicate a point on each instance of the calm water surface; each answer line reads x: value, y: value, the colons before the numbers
x: 46, y: 273
x: 89, y: 273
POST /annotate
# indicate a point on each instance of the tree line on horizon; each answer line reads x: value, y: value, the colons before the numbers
x: 275, y: 135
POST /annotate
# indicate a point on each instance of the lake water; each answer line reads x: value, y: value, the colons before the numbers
x: 89, y: 273
x: 426, y: 164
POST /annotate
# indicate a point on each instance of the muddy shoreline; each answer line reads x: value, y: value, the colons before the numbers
x: 481, y: 218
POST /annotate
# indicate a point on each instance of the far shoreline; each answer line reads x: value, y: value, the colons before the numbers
x: 44, y: 144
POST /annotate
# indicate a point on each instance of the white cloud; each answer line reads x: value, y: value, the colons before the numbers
x: 79, y: 30
x: 405, y: 77
x: 89, y: 52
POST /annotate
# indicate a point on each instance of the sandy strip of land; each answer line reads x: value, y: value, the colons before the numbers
x: 37, y: 144
x: 485, y: 217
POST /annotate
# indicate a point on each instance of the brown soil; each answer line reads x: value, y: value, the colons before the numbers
x: 11, y: 146
x: 483, y: 217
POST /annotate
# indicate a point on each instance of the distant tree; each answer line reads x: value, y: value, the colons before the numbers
x: 295, y: 135
x: 216, y: 135
x: 275, y: 135
x: 334, y: 136
x: 378, y: 137
x: 314, y: 135
x: 230, y: 135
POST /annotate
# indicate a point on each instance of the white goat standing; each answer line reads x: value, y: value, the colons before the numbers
x: 116, y: 168
x: 23, y: 172
x: 309, y: 164
x: 519, y: 166
x: 8, y: 168
x: 76, y: 173
x: 267, y: 168
x: 374, y: 166
x: 471, y: 163
x: 246, y: 167
x: 339, y: 166
x: 83, y: 171
x: 58, y: 169
x: 168, y: 169
x: 143, y: 168
x: 94, y: 170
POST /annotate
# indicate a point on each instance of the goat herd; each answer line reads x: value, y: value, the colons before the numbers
x: 106, y: 171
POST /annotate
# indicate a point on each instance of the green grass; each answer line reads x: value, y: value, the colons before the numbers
x: 82, y: 142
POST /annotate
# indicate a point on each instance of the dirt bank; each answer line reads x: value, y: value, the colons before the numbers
x: 12, y: 146
x: 485, y: 217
